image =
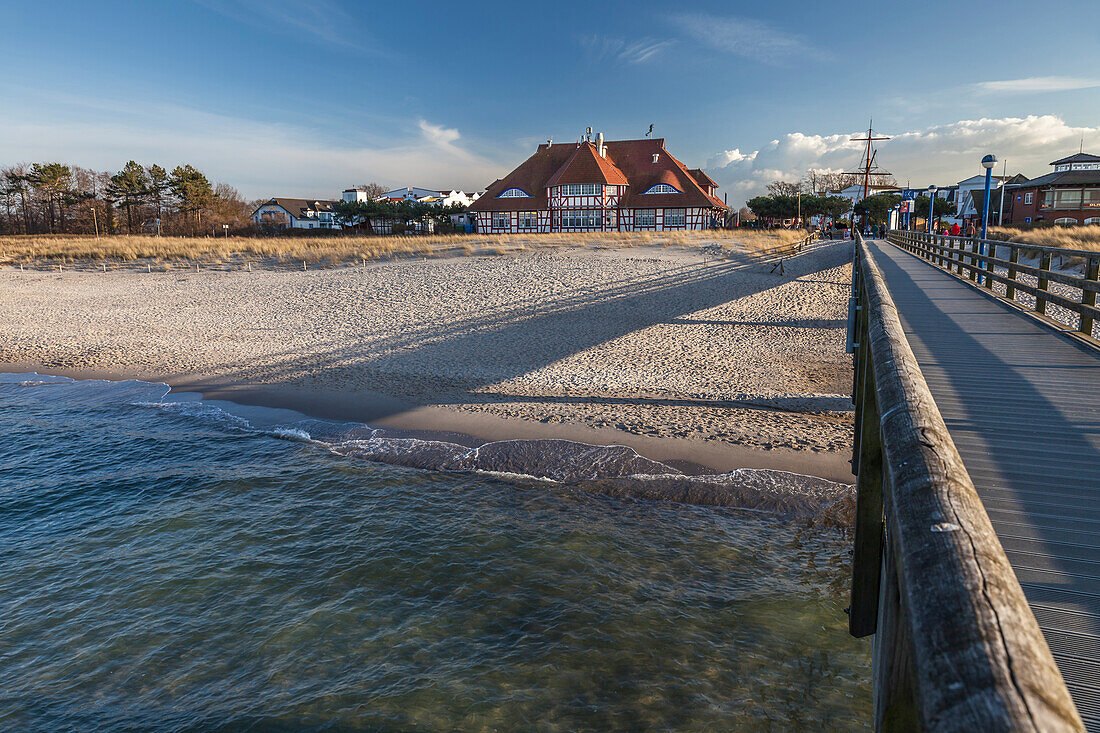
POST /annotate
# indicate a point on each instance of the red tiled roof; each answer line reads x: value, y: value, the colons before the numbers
x: 702, y: 178
x: 586, y: 166
x: 631, y: 159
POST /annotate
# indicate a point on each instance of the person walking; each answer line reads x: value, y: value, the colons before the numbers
x: 956, y: 230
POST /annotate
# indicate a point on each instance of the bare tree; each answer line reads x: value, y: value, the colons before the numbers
x: 784, y: 188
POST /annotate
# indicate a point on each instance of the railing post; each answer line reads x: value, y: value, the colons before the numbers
x: 990, y: 253
x: 973, y: 260
x: 1088, y: 297
x: 1013, y: 257
x: 867, y: 553
x: 1044, y: 265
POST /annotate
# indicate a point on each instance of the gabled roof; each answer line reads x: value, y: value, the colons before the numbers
x: 553, y: 165
x: 1078, y: 158
x: 298, y: 207
x: 702, y: 178
x: 586, y: 166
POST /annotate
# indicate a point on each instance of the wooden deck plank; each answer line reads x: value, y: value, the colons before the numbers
x: 1022, y: 403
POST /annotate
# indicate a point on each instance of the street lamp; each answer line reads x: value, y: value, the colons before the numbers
x: 987, y: 162
x: 931, y: 205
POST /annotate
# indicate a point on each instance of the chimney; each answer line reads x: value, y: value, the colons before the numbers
x: 600, y: 148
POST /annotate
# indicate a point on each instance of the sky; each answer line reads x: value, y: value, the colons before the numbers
x: 289, y: 98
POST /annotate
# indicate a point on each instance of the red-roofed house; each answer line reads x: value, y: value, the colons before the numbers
x: 625, y: 185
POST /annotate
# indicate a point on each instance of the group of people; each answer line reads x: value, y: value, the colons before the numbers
x: 957, y: 231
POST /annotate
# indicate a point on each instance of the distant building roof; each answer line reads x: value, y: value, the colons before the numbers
x: 1066, y: 178
x: 1078, y: 158
x: 298, y: 207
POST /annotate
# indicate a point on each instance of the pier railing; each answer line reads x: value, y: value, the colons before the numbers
x: 979, y: 260
x: 956, y: 645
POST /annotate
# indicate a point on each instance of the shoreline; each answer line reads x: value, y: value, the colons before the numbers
x: 472, y: 429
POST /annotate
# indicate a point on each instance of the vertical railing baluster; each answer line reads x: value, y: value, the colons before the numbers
x: 1013, y: 257
x: 990, y: 253
x: 1044, y: 266
x: 1088, y: 297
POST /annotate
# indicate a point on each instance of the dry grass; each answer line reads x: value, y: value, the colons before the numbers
x: 1081, y: 237
x: 329, y: 251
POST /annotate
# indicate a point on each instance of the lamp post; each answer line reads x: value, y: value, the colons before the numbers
x: 987, y: 162
x: 931, y: 205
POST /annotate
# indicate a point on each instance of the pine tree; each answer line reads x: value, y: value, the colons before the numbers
x: 129, y: 187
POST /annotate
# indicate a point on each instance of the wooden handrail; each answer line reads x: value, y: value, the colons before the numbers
x: 956, y: 644
x: 958, y: 254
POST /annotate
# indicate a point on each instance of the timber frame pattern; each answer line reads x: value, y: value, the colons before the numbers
x: 956, y: 645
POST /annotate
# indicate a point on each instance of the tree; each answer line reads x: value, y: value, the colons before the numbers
x: 54, y: 182
x: 192, y: 192
x: 373, y: 190
x: 784, y: 188
x: 942, y: 208
x: 130, y: 188
x: 159, y: 187
x: 877, y: 208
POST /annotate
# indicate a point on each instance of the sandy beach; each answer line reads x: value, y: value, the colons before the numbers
x: 679, y: 353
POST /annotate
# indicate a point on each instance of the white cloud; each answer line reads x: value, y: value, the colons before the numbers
x: 942, y: 154
x: 1037, y: 84
x: 745, y: 37
x: 259, y: 158
x: 322, y: 21
x: 606, y: 48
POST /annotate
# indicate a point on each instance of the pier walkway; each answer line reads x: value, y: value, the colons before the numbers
x: 1022, y: 404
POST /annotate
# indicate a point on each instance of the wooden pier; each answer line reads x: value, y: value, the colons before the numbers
x: 977, y: 549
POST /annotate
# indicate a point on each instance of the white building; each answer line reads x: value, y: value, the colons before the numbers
x: 422, y: 195
x: 290, y: 213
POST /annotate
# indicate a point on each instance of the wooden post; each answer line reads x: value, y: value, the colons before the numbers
x: 990, y: 253
x: 1044, y: 265
x: 867, y: 553
x: 1088, y: 297
x: 973, y: 259
x: 892, y: 664
x: 1013, y: 257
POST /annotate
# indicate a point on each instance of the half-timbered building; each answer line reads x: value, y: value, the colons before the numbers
x: 593, y: 186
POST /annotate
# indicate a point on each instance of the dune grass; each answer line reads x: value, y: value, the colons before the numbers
x: 1080, y: 237
x: 336, y: 250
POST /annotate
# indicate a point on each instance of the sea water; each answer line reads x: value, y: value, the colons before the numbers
x: 169, y: 565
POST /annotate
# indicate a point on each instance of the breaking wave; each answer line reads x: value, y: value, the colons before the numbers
x: 613, y: 470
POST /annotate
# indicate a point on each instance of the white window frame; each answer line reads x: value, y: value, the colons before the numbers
x: 662, y: 188
x: 1093, y: 220
x: 502, y: 220
x: 645, y: 217
x: 1066, y: 221
x: 675, y: 217
x: 528, y: 220
x: 1029, y: 197
x: 581, y: 189
x: 514, y: 193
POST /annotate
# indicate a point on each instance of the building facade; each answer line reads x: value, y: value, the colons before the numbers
x: 593, y: 186
x: 287, y: 213
x: 1069, y: 195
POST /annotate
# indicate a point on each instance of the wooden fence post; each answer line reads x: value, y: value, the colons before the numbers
x: 990, y: 253
x: 1044, y: 265
x: 867, y: 552
x: 1013, y: 257
x: 1088, y: 297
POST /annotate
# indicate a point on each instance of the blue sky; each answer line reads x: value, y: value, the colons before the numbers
x: 305, y: 98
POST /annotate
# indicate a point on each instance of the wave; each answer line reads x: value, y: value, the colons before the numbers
x: 613, y: 470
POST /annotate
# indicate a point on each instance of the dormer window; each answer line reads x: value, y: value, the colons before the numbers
x: 661, y: 188
x: 514, y: 193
